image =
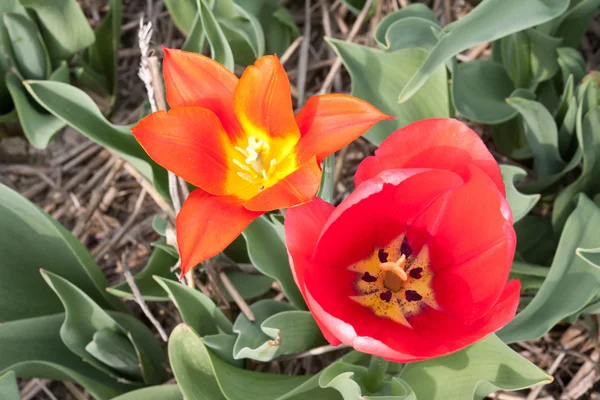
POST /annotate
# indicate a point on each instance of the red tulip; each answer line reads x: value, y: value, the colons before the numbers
x: 414, y: 263
x: 239, y: 142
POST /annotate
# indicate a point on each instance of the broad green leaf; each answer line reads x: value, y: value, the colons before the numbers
x: 29, y: 240
x: 31, y: 56
x: 77, y: 109
x: 543, y: 56
x: 32, y: 348
x: 244, y: 34
x: 571, y: 62
x: 255, y: 32
x: 519, y: 203
x: 196, y: 309
x: 115, y: 351
x: 267, y: 251
x: 542, y: 135
x: 159, y: 264
x: 480, y: 89
x: 575, y: 22
x: 38, y: 125
x: 384, y: 37
x: 536, y: 241
x: 515, y: 55
x: 6, y: 6
x: 589, y: 141
x: 196, y: 38
x: 571, y: 282
x: 490, y: 20
x: 183, y: 13
x: 8, y: 387
x: 531, y: 276
x: 203, y: 376
x: 347, y: 379
x: 473, y: 373
x: 327, y: 188
x: 374, y: 81
x: 160, y: 224
x: 249, y: 286
x: 222, y: 345
x: 103, y: 54
x: 61, y: 73
x: 277, y: 330
x: 84, y: 318
x: 163, y: 392
x: 64, y: 27
x: 509, y: 138
x: 219, y: 46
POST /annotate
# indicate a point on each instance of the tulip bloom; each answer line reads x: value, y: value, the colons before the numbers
x: 414, y: 263
x: 239, y: 142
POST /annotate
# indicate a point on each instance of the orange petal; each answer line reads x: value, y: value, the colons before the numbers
x: 193, y: 80
x: 297, y: 188
x: 191, y: 142
x: 207, y: 224
x: 329, y: 122
x: 263, y: 102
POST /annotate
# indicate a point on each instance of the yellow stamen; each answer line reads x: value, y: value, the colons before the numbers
x: 242, y: 166
x: 246, y: 177
x: 397, y: 268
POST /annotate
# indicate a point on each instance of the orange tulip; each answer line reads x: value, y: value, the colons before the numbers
x: 239, y: 142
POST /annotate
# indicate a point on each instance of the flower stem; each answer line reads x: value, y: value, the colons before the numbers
x: 376, y: 373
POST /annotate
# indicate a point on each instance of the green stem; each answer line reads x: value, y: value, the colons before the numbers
x: 376, y: 373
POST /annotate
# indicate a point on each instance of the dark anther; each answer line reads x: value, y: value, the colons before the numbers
x: 383, y: 255
x: 412, y: 295
x: 386, y: 296
x: 415, y: 273
x: 368, y: 277
x: 405, y: 248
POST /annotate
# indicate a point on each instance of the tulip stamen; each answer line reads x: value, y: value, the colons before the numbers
x: 396, y: 268
x: 255, y: 168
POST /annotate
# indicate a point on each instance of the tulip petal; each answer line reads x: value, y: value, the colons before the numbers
x: 194, y: 80
x: 331, y: 121
x: 303, y: 226
x: 263, y: 102
x: 190, y: 142
x: 378, y: 211
x: 207, y: 224
x: 432, y: 143
x: 296, y: 188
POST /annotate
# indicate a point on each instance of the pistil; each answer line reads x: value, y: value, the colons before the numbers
x: 394, y: 273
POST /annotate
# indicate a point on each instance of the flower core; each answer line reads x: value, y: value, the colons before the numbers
x: 394, y: 282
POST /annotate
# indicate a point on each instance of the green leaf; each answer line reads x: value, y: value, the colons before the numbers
x: 61, y: 73
x: 248, y: 285
x: 575, y: 22
x: 490, y: 20
x: 509, y: 138
x: 588, y: 137
x: 571, y: 282
x: 183, y: 13
x: 473, y: 373
x: 38, y: 125
x: 327, y: 188
x: 77, y: 109
x: 374, y: 81
x: 32, y: 348
x: 160, y: 224
x: 203, y: 376
x: 268, y: 253
x: 196, y: 37
x: 347, y: 379
x: 64, y: 27
x: 6, y: 6
x: 542, y: 135
x: 480, y: 89
x: 8, y: 387
x: 571, y: 62
x: 104, y: 54
x: 163, y: 392
x: 385, y: 36
x: 277, y: 330
x: 84, y: 319
x: 515, y: 54
x: 115, y: 351
x: 219, y: 46
x: 29, y: 240
x: 31, y: 56
x: 196, y: 309
x: 519, y: 203
x: 543, y: 56
x: 536, y: 243
x: 531, y: 276
x: 159, y: 264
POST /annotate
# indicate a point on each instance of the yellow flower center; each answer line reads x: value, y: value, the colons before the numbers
x: 256, y: 168
x: 395, y: 289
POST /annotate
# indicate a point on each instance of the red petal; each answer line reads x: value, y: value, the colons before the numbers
x: 378, y: 211
x: 298, y: 187
x: 190, y: 142
x: 207, y: 224
x: 303, y: 226
x: 193, y: 80
x: 331, y: 121
x: 263, y: 102
x: 442, y: 143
